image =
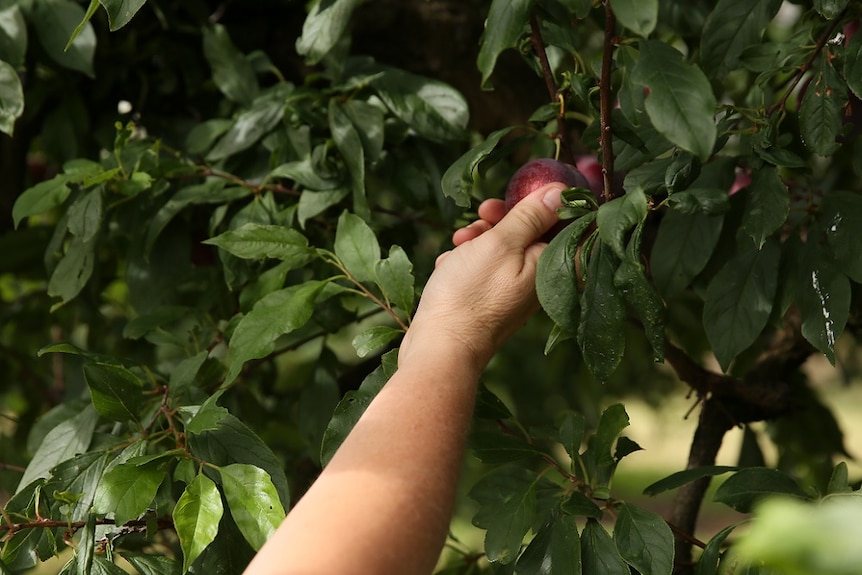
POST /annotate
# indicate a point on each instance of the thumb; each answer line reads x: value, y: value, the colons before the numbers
x: 534, y: 215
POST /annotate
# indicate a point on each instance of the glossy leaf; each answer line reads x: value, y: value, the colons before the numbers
x: 767, y: 206
x: 252, y: 124
x: 733, y: 26
x: 739, y: 300
x: 830, y: 9
x: 55, y: 22
x: 598, y: 459
x: 680, y: 104
x: 556, y: 548
x: 680, y: 478
x: 599, y: 555
x: 571, y: 434
x: 820, y: 115
x: 313, y: 203
x: 11, y: 97
x: 580, y: 505
x: 275, y: 315
x: 79, y: 477
x: 505, y: 24
x: 196, y: 518
x: 116, y: 392
x: 356, y: 247
x: 618, y: 217
x: 682, y: 249
x: 349, y: 144
x: 394, y: 276
x: 121, y: 12
x: 644, y: 540
x: 259, y: 241
x: 127, y: 490
x: 41, y: 198
x: 374, y: 338
x: 323, y: 28
x: 639, y: 16
x: 823, y: 295
x: 13, y: 36
x: 231, y: 71
x: 253, y: 502
x: 459, y: 177
x: 709, y: 560
x: 746, y: 487
x: 152, y: 564
x: 601, y: 332
x: 841, y: 221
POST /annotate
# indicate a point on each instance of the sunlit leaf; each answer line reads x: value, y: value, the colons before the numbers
x: 252, y: 501
x: 196, y: 518
x: 128, y: 490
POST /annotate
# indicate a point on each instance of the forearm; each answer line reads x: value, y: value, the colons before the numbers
x: 384, y: 502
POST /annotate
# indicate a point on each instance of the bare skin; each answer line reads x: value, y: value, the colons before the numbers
x: 383, y: 504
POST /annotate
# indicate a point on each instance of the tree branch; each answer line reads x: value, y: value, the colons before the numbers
x: 606, y: 101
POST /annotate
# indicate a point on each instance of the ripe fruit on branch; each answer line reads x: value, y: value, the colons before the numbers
x: 537, y: 173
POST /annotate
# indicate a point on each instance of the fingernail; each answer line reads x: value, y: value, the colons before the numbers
x: 552, y: 197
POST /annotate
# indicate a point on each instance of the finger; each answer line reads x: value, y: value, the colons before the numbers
x: 472, y: 231
x: 532, y: 216
x: 492, y: 210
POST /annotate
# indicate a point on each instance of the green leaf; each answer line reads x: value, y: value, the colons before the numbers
x: 368, y: 119
x: 13, y: 37
x: 11, y: 97
x: 599, y: 555
x: 830, y: 9
x: 682, y: 248
x: 207, y: 416
x: 277, y: 314
x: 739, y: 300
x: 116, y: 392
x: 232, y: 73
x: 680, y: 478
x: 620, y: 215
x: 853, y: 64
x: 748, y: 486
x: 349, y: 144
x: 74, y: 270
x: 324, y: 26
x: 733, y: 26
x: 55, y: 22
x: 251, y: 125
x: 821, y: 115
x: 680, y: 104
x: 184, y: 374
x: 42, y: 197
x: 601, y: 332
x: 234, y: 442
x: 85, y: 215
x: 260, y: 241
x: 555, y: 549
x: 639, y: 16
x: 507, y: 499
x: 644, y: 540
x: 356, y: 247
x: 78, y: 476
x: 571, y: 434
x: 313, y: 203
x: 708, y: 562
x: 767, y: 207
x: 503, y: 28
x: 598, y: 460
x: 151, y: 564
x: 839, y: 482
x: 495, y: 448
x: 121, y: 12
x: 580, y: 505
x: 457, y: 181
x: 707, y: 201
x: 253, y: 502
x: 64, y: 441
x: 196, y: 518
x: 304, y: 174
x: 840, y: 219
x: 128, y: 490
x: 556, y: 275
x: 823, y: 295
x: 394, y: 276
x: 374, y: 338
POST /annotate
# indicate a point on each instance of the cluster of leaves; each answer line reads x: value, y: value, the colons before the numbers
x: 220, y: 284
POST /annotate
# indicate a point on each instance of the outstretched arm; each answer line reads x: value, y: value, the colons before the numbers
x: 384, y: 502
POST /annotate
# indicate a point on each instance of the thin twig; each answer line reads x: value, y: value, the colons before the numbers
x: 606, y: 100
x: 548, y: 74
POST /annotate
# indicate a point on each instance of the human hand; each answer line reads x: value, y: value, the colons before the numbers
x: 484, y: 290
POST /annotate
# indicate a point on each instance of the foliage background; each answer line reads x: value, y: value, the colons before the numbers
x: 222, y: 213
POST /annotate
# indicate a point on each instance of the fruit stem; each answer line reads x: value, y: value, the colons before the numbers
x: 606, y: 100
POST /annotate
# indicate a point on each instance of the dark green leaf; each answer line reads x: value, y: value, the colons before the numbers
x: 184, y: 373
x: 830, y: 9
x: 639, y: 16
x: 41, y: 198
x: 151, y: 564
x: 116, y: 392
x: 259, y: 241
x: 747, y: 486
x: 680, y: 478
x: 571, y: 434
x: 839, y: 482
x: 853, y: 64
x: 618, y: 216
x: 555, y: 549
x: 598, y: 460
x: 458, y: 180
x: 121, y: 12
x: 304, y: 174
x: 823, y: 295
x: 601, y: 332
x: 356, y: 247
x: 312, y: 203
x: 820, y: 115
x: 733, y: 26
x: 374, y: 338
x: 394, y: 276
x: 11, y: 96
x: 253, y: 502
x: 74, y: 270
x: 324, y: 26
x: 85, y: 215
x: 599, y: 555
x: 503, y: 27
x: 13, y: 36
x: 368, y: 121
x: 231, y: 71
x: 739, y: 300
x: 708, y: 562
x: 495, y: 448
x: 196, y: 518
x: 251, y: 125
x: 707, y: 201
x: 580, y: 505
x: 684, y: 244
x: 277, y: 314
x: 78, y: 476
x: 55, y: 22
x: 680, y: 104
x: 349, y: 144
x: 767, y: 206
x: 841, y: 221
x: 128, y: 490
x: 556, y: 277
x: 644, y: 540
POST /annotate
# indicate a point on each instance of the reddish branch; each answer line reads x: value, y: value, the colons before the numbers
x: 606, y: 101
x: 548, y: 74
